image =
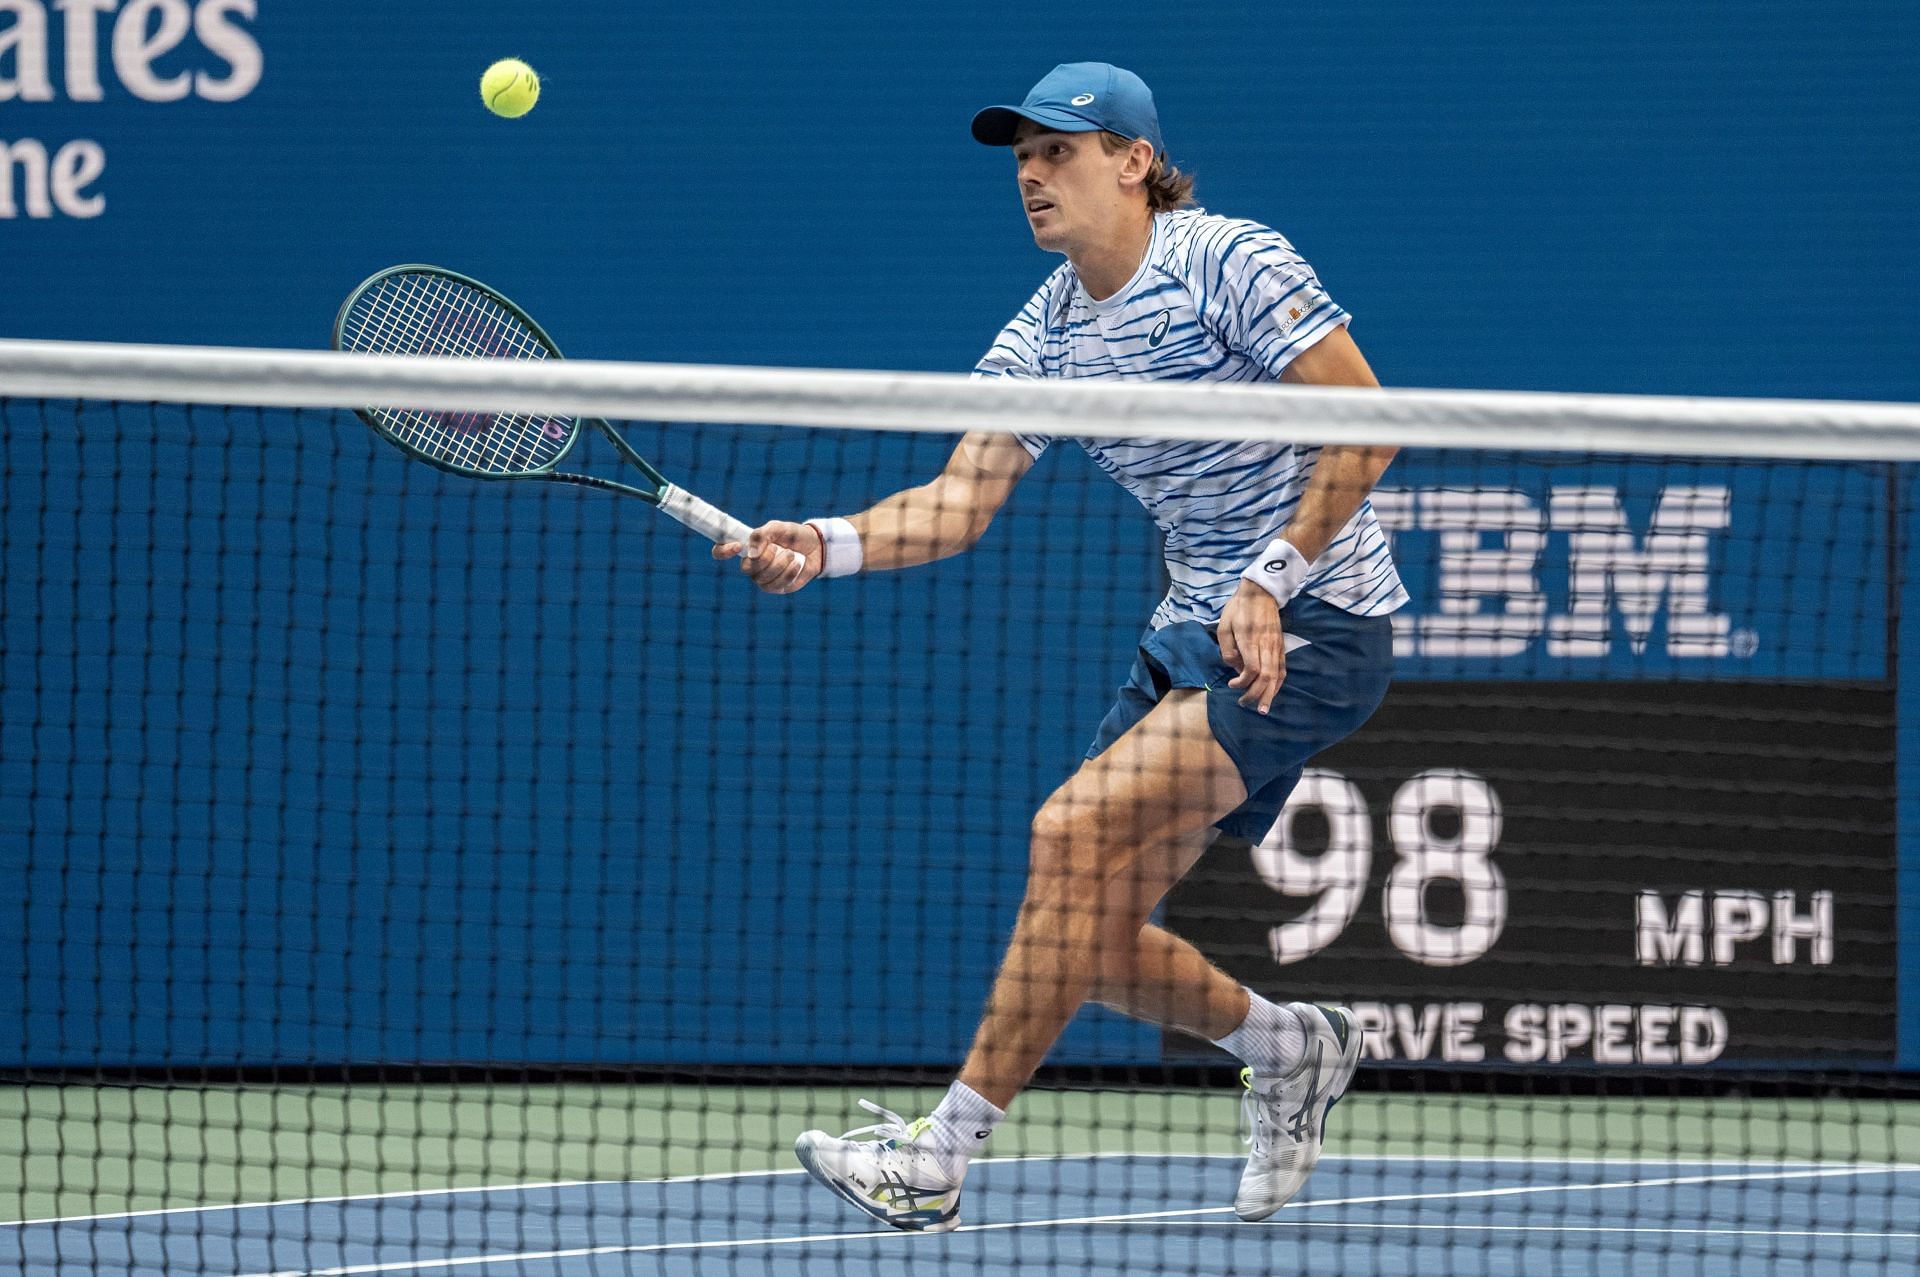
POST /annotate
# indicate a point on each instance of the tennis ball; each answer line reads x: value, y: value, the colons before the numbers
x: 510, y: 88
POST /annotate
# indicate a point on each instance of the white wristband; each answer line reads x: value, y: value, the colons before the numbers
x: 1280, y: 570
x: 840, y: 551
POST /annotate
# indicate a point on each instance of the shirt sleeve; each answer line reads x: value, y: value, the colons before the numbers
x: 1260, y: 297
x: 1016, y: 353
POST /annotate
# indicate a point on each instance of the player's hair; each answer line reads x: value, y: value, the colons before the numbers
x: 1167, y: 187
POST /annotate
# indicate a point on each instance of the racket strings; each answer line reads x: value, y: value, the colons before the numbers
x: 418, y: 313
x: 440, y: 317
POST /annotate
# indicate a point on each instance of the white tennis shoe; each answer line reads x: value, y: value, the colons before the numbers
x: 1288, y: 1115
x: 890, y: 1175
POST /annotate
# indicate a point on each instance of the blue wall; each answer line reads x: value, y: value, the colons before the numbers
x: 345, y: 717
x: 1712, y: 197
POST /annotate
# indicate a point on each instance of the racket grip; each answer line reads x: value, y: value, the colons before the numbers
x: 708, y: 520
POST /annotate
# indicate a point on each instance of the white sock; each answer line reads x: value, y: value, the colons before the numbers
x: 960, y: 1125
x: 1271, y: 1039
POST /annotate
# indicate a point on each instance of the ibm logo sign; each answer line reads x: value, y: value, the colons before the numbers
x: 1486, y: 599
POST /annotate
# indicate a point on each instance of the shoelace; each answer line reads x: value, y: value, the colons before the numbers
x: 894, y: 1128
x: 896, y: 1137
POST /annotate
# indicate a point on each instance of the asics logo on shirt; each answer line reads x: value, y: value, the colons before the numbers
x: 1159, y: 333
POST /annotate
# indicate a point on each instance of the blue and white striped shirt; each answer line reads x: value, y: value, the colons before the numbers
x: 1215, y: 299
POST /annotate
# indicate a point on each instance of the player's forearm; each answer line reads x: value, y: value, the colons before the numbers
x: 920, y: 525
x: 947, y: 515
x: 1342, y: 479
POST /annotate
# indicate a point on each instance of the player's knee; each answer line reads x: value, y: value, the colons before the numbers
x: 1066, y: 844
x: 1050, y: 838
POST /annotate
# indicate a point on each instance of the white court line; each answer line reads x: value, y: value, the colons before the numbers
x: 408, y: 1192
x: 398, y: 1194
x: 808, y: 1239
x: 1557, y: 1228
x: 311, y: 1201
x: 1522, y: 1190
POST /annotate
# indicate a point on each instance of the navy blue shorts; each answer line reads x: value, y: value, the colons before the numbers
x: 1334, y: 683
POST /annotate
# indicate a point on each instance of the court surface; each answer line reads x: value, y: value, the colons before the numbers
x: 1094, y: 1213
x: 572, y: 1181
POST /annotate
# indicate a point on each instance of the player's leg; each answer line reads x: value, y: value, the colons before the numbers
x: 1105, y: 849
x: 1300, y: 1057
x: 1165, y: 980
x: 1165, y: 778
x: 1161, y: 978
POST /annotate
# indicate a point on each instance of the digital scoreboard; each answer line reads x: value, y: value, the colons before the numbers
x: 1594, y: 873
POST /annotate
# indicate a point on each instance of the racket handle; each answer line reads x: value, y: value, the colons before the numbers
x: 709, y: 521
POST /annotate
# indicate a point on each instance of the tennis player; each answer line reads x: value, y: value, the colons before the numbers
x: 1272, y: 644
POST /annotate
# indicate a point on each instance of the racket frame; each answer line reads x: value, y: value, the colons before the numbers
x: 674, y: 501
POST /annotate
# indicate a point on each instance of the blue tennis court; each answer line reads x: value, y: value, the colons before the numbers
x: 1084, y: 1214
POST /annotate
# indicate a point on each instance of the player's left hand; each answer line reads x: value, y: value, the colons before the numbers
x: 1251, y: 642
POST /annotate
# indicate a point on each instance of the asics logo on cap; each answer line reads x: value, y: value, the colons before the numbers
x: 1083, y: 99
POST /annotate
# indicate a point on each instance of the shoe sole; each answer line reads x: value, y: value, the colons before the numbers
x: 803, y: 1149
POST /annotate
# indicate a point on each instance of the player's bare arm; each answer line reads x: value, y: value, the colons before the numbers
x: 1345, y: 474
x: 933, y: 521
x: 1250, y: 634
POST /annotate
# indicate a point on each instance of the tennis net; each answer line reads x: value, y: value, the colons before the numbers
x: 411, y: 874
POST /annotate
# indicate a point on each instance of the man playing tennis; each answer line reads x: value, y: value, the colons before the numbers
x: 1272, y: 644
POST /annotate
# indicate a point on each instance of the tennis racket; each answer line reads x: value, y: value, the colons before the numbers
x: 425, y: 310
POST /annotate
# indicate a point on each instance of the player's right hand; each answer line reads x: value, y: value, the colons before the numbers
x: 1253, y: 643
x: 779, y: 557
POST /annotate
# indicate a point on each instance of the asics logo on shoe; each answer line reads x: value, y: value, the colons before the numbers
x: 1300, y: 1124
x: 896, y: 1191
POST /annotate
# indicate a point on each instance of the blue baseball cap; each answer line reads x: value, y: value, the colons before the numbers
x: 1078, y: 97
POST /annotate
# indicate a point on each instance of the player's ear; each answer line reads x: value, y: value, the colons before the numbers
x: 1138, y: 165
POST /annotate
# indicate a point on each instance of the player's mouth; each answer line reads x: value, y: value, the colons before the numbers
x: 1037, y: 207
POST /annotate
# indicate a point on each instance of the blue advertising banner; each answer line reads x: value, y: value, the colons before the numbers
x: 1635, y: 198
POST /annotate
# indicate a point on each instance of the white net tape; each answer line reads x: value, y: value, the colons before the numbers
x: 949, y: 403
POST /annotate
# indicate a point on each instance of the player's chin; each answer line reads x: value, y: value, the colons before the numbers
x: 1047, y: 236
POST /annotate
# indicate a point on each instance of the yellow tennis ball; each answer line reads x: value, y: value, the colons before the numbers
x: 510, y: 88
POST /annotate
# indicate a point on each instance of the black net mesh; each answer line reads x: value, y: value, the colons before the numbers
x: 408, y: 874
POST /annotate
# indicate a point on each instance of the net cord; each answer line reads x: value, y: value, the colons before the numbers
x: 952, y: 403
